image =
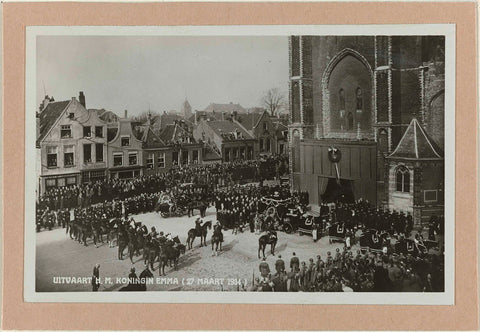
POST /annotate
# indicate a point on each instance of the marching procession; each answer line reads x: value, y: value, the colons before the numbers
x: 373, y: 257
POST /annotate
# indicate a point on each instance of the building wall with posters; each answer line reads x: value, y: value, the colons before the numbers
x: 360, y: 93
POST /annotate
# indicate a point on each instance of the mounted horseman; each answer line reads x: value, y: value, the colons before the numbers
x: 200, y: 230
x: 217, y: 238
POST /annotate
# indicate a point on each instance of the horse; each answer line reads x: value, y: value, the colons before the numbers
x: 202, y: 233
x: 270, y: 239
x: 97, y: 234
x: 84, y: 232
x: 122, y: 240
x: 217, y: 239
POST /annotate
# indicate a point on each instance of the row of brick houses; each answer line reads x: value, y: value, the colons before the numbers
x: 77, y: 145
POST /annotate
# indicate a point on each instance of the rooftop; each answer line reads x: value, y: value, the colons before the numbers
x: 415, y: 144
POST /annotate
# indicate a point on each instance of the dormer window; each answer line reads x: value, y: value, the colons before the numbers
x: 99, y: 131
x: 87, y: 131
x: 125, y: 141
x: 66, y: 131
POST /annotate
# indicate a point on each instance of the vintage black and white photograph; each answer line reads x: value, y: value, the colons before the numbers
x: 246, y: 163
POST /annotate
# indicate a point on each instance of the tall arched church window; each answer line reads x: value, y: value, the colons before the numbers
x: 383, y: 140
x: 359, y: 99
x: 350, y: 121
x: 341, y: 99
x: 402, y: 177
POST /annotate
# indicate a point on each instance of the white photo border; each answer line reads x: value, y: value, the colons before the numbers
x: 445, y: 298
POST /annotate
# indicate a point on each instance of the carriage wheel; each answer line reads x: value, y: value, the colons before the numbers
x: 287, y: 228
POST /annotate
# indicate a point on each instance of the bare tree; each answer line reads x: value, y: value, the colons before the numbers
x: 274, y: 101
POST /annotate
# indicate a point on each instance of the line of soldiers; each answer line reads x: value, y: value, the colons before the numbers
x: 346, y: 272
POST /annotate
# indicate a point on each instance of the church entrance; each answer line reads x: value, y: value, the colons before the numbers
x: 338, y: 191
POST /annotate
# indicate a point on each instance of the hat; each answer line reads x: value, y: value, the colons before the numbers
x: 132, y: 269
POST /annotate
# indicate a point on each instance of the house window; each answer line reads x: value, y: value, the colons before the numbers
x: 195, y: 156
x: 68, y: 157
x: 87, y: 153
x: 430, y: 196
x: 281, y: 148
x: 359, y: 99
x: 227, y: 154
x: 249, y: 152
x: 150, y: 159
x: 50, y: 183
x: 261, y: 144
x: 66, y: 131
x: 99, y: 131
x: 117, y: 159
x: 161, y: 160
x: 402, y: 176
x: 341, y: 99
x: 242, y: 153
x: 267, y: 144
x: 265, y: 126
x: 175, y: 157
x: 125, y: 141
x: 132, y: 158
x: 99, y: 152
x: 52, y: 156
x: 61, y: 182
x: 87, y: 131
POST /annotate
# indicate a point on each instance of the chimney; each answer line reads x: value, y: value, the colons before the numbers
x: 195, y: 117
x: 234, y: 115
x: 125, y: 114
x: 81, y: 98
x: 44, y: 103
x: 223, y: 116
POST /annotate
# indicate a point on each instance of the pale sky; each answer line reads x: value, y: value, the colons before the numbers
x: 130, y: 72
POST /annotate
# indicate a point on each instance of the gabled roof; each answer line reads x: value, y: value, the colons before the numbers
x: 49, y: 116
x: 249, y: 121
x: 176, y: 133
x: 225, y: 108
x: 103, y: 114
x: 151, y: 140
x: 209, y: 115
x: 225, y: 128
x: 415, y: 144
x: 167, y: 119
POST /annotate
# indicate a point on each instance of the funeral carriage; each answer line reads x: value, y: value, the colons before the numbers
x: 410, y: 247
x: 336, y: 232
x: 375, y: 241
x: 275, y: 211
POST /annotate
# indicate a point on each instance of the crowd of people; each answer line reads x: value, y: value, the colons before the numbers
x: 216, y: 175
x: 346, y: 271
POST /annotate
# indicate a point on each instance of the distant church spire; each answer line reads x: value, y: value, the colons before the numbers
x: 186, y: 109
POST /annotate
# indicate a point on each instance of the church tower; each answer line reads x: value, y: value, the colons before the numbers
x: 186, y: 109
